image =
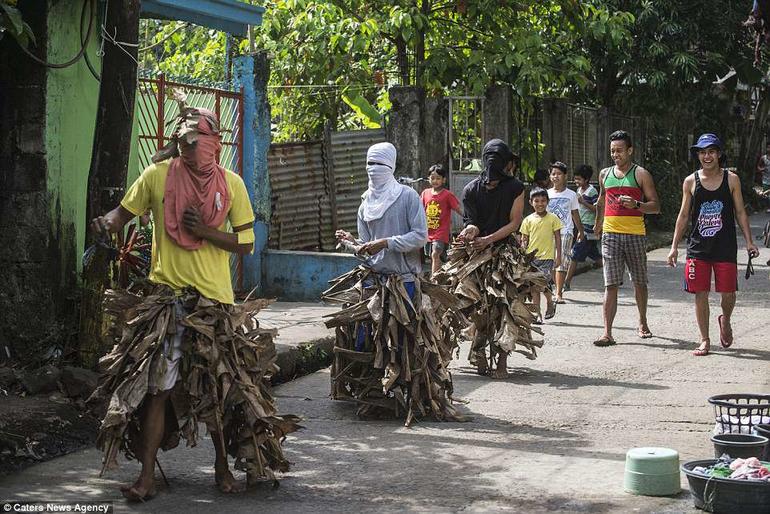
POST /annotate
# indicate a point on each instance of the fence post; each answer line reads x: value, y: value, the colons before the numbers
x: 498, y: 114
x: 161, y: 111
x: 329, y: 177
x: 251, y: 72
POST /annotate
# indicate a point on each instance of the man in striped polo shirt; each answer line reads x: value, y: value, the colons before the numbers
x: 627, y: 193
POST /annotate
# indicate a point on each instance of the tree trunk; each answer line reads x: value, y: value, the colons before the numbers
x: 751, y: 145
x: 402, y: 60
x: 419, y: 49
x: 109, y: 159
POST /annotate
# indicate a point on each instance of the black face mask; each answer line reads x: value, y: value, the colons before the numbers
x: 496, y: 156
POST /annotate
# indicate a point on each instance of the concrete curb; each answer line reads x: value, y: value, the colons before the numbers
x: 298, y: 361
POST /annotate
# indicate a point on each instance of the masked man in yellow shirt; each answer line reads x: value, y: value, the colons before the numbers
x: 188, y: 354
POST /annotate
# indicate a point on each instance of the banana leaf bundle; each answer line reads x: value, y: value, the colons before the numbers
x: 226, y: 364
x: 393, y: 349
x: 493, y: 286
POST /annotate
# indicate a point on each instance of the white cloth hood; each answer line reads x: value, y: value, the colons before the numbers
x: 384, y: 189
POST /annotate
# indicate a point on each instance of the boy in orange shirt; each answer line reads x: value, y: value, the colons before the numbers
x: 439, y: 203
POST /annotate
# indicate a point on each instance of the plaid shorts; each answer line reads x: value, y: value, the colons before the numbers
x: 624, y: 250
x: 566, y: 251
x: 545, y: 266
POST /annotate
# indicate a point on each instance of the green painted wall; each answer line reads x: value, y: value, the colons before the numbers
x: 72, y: 95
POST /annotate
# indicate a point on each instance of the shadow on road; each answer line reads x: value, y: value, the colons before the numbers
x: 527, y: 376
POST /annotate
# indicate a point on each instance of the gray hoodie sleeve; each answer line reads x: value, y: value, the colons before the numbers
x: 363, y: 229
x: 418, y: 226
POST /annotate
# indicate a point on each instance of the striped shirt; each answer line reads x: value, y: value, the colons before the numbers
x: 617, y: 218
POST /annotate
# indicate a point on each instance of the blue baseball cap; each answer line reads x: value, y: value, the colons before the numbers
x: 705, y: 141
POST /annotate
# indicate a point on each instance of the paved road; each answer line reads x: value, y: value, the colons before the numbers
x: 553, y: 437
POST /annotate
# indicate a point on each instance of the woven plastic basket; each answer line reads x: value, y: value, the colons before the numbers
x: 738, y: 413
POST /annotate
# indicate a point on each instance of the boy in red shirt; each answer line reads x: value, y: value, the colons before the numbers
x: 439, y: 203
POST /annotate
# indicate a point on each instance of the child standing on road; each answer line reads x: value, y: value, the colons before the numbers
x: 587, y: 248
x: 564, y: 204
x: 439, y: 203
x: 541, y: 233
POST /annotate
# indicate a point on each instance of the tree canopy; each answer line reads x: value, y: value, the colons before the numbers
x: 332, y: 60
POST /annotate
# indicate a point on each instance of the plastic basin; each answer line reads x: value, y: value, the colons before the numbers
x: 652, y: 472
x: 739, y: 446
x: 764, y: 430
x: 725, y: 495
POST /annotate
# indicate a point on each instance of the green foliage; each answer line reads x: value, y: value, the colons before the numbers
x: 367, y: 114
x: 664, y: 45
x: 324, y: 49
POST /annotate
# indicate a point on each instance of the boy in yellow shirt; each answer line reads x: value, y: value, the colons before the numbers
x: 541, y: 233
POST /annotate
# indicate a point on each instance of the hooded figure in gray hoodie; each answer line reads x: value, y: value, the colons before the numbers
x: 392, y: 226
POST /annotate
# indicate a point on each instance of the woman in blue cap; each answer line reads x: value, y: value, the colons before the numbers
x: 712, y: 200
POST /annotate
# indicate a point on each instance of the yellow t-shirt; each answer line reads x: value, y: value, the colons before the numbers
x: 207, y: 269
x: 540, y: 232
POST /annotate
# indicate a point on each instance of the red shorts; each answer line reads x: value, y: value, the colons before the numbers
x: 697, y: 276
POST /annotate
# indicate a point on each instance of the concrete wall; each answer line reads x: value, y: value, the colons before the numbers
x: 46, y: 131
x: 301, y: 276
x: 72, y: 95
x: 417, y: 127
x: 498, y: 114
x: 252, y: 73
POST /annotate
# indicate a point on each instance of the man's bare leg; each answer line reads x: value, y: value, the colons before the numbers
x: 501, y: 371
x: 728, y: 304
x: 702, y: 317
x: 153, y: 424
x: 570, y: 272
x: 435, y: 262
x: 610, y: 309
x: 559, y: 276
x: 222, y: 475
x: 536, y: 303
x: 640, y: 291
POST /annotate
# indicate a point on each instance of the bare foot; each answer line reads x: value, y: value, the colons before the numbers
x: 482, y: 367
x: 227, y: 482
x: 501, y: 370
x: 141, y: 490
x: 644, y: 331
x: 703, y: 349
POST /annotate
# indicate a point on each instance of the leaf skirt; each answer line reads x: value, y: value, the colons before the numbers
x: 393, y: 346
x: 226, y: 364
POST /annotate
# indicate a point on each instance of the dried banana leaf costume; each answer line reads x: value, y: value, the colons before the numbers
x: 494, y: 283
x: 393, y: 345
x: 182, y: 331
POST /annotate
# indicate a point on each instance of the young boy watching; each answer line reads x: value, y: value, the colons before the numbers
x: 587, y: 248
x: 564, y: 204
x: 439, y: 203
x: 541, y: 233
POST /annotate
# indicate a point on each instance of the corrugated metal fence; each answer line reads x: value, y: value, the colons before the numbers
x: 316, y: 188
x: 577, y: 134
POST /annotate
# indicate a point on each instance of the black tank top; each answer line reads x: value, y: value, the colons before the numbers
x: 712, y: 223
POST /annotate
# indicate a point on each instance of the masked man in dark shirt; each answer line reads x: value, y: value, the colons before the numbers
x: 493, y: 206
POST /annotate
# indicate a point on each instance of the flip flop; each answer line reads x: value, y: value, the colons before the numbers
x: 550, y: 312
x: 560, y: 301
x: 723, y: 340
x: 644, y: 334
x: 133, y: 495
x: 604, y: 341
x: 700, y: 352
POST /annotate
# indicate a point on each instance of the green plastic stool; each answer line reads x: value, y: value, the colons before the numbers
x: 652, y: 472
